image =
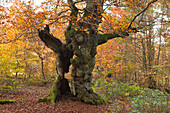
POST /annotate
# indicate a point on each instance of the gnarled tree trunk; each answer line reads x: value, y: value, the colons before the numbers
x: 83, y: 47
x: 79, y: 50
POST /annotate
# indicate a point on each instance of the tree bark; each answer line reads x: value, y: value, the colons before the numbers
x: 80, y: 50
x: 83, y: 65
x: 63, y: 54
x: 83, y: 46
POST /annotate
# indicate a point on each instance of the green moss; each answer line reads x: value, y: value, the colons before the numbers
x: 79, y: 96
x: 71, y: 33
x: 98, y: 102
x: 74, y: 61
x: 91, y: 102
x: 101, y: 101
x: 85, y: 99
x: 71, y: 60
x: 54, y: 91
x: 77, y: 53
x: 92, y: 99
x: 75, y: 47
x: 44, y: 99
x: 7, y: 101
x: 87, y: 58
x: 20, y: 101
x: 103, y: 37
x: 52, y: 94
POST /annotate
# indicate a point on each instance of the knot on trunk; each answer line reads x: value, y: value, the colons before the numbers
x: 79, y: 38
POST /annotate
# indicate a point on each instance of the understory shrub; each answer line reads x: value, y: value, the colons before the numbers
x: 10, y: 85
x: 131, y: 98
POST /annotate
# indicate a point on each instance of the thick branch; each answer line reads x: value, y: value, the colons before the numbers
x: 94, y: 9
x: 74, y: 9
x: 72, y: 22
x: 65, y: 53
x: 103, y: 38
x: 49, y: 40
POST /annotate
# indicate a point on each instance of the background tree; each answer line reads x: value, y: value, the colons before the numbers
x: 137, y: 48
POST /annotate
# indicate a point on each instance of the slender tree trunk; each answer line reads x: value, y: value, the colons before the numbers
x: 150, y: 46
x: 42, y: 65
x: 144, y: 57
x: 42, y: 68
x: 135, y: 62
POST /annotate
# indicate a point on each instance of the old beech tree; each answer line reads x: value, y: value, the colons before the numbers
x: 82, y: 38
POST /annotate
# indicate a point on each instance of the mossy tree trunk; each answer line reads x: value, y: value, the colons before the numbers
x: 79, y: 50
x: 63, y: 53
x: 83, y: 65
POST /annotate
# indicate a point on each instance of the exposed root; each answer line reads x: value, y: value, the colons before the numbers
x: 92, y: 98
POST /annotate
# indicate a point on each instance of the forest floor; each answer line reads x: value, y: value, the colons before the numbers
x: 26, y: 103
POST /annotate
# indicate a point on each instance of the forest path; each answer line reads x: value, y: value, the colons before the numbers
x: 29, y: 94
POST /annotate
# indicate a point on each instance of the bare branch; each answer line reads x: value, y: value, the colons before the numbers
x: 79, y: 1
x: 141, y: 12
x: 74, y: 11
x: 64, y: 16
